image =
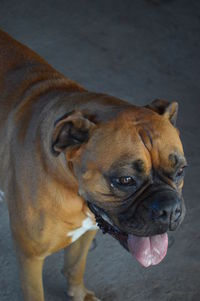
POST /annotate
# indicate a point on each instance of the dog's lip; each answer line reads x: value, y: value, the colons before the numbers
x: 106, y: 224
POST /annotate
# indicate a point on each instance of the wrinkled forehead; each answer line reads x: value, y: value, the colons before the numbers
x: 150, y: 141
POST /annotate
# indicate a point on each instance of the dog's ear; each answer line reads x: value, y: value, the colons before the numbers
x: 70, y: 130
x: 165, y: 108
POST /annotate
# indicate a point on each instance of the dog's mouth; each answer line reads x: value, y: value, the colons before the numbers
x: 147, y: 250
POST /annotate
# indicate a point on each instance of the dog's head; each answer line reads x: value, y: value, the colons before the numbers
x: 130, y: 170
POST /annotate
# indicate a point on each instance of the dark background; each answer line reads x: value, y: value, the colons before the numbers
x: 137, y: 50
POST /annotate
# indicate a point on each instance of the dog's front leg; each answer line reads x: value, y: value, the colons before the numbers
x: 74, y: 266
x: 31, y: 277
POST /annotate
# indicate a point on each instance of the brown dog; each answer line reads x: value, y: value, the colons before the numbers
x: 64, y: 150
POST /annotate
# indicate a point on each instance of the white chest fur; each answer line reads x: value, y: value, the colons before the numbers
x: 87, y: 224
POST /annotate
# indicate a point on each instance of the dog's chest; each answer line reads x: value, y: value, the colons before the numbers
x: 87, y: 225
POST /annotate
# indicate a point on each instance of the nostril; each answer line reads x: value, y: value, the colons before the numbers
x: 166, y: 213
x: 177, y: 211
x: 177, y: 214
x: 161, y: 215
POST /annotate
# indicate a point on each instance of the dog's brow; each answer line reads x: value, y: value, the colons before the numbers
x: 123, y: 162
x: 126, y: 163
x: 138, y: 165
x: 177, y: 160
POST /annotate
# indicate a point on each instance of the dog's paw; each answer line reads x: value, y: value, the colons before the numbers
x: 80, y: 293
x: 90, y: 296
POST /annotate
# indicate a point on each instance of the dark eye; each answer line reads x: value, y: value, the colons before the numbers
x: 125, y: 181
x: 180, y: 172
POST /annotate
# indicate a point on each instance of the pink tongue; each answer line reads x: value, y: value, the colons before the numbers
x: 148, y: 250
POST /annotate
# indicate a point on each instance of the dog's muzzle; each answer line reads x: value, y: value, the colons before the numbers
x: 141, y: 224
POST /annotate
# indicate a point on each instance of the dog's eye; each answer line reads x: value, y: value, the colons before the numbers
x: 180, y: 172
x: 125, y: 181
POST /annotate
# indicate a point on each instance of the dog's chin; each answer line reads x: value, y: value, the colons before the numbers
x: 148, y: 250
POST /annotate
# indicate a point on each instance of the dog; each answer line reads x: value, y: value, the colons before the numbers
x: 73, y: 161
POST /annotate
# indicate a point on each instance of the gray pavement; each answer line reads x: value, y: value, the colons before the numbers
x: 139, y: 51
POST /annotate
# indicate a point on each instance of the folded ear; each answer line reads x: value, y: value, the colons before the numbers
x: 72, y: 129
x: 165, y: 108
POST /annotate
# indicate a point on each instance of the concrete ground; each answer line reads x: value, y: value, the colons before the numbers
x: 139, y: 51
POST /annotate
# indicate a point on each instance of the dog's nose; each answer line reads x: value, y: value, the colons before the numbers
x: 166, y: 209
x: 168, y: 214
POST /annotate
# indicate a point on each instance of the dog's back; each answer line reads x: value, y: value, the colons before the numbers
x: 16, y: 62
x: 24, y: 77
x: 18, y: 65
